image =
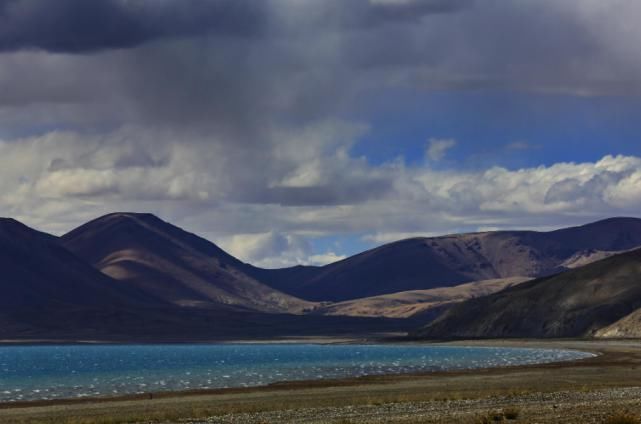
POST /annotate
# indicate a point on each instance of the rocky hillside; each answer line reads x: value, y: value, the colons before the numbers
x: 171, y: 264
x: 596, y: 299
x: 416, y: 303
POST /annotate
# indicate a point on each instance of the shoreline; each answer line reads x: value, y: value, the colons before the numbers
x: 373, y: 338
x: 617, y: 366
x: 331, y: 339
x: 322, y: 382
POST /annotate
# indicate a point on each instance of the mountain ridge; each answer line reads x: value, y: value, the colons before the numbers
x: 168, y: 262
x: 423, y: 263
x: 31, y: 260
x: 137, y: 274
x: 49, y: 293
x: 576, y: 303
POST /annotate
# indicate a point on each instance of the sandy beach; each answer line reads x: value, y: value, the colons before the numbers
x: 585, y: 391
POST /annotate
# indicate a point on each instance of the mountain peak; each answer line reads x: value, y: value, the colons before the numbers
x: 171, y: 264
x: 127, y: 216
x: 11, y: 223
x: 614, y: 221
x: 127, y: 222
x: 13, y: 231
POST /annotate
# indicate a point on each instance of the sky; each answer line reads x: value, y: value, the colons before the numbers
x: 303, y: 131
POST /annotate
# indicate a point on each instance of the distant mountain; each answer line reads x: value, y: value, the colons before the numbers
x: 416, y: 303
x: 594, y: 299
x: 169, y: 263
x: 426, y: 263
x: 130, y: 276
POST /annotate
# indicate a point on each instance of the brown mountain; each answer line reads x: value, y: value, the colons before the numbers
x: 129, y: 275
x: 47, y: 290
x: 579, y: 302
x: 171, y: 264
x: 627, y: 327
x: 416, y: 303
x: 49, y: 293
x: 426, y: 263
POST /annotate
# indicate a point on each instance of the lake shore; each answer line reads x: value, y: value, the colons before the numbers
x: 392, y: 337
x: 575, y: 391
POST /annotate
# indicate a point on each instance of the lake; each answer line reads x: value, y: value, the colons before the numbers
x: 75, y: 371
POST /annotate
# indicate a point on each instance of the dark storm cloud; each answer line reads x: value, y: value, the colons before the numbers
x: 241, y: 116
x: 75, y: 26
x: 230, y: 68
x: 87, y: 25
x: 371, y: 13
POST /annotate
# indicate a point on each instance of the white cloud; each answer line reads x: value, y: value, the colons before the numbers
x: 325, y: 258
x: 437, y: 148
x: 626, y: 192
x: 237, y: 137
x: 272, y: 250
x: 381, y: 238
x: 267, y: 208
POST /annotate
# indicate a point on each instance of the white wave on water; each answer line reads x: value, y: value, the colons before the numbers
x: 43, y: 372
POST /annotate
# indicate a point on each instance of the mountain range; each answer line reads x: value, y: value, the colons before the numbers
x: 426, y: 263
x: 132, y: 275
x: 602, y: 298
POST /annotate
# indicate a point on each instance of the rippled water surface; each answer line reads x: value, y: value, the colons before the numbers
x: 51, y: 372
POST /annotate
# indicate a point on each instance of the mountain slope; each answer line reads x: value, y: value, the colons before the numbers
x: 47, y: 291
x: 416, y: 303
x: 426, y: 263
x: 578, y: 302
x: 39, y: 273
x: 627, y: 327
x: 169, y: 263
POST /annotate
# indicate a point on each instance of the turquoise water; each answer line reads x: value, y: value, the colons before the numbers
x: 54, y: 372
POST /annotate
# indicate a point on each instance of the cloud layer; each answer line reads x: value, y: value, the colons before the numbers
x: 81, y: 26
x: 239, y: 119
x: 60, y: 179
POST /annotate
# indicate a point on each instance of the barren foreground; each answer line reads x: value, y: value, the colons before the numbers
x: 587, y: 391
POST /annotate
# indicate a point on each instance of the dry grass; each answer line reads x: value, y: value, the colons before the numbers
x: 622, y: 418
x: 492, y: 417
x: 511, y: 413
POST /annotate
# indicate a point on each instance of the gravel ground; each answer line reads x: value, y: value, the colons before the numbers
x: 557, y: 407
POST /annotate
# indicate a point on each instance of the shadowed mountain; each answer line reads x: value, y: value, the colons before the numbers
x: 171, y: 264
x: 426, y: 263
x: 45, y: 287
x: 578, y: 302
x: 39, y: 273
x: 130, y: 276
x: 49, y: 293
